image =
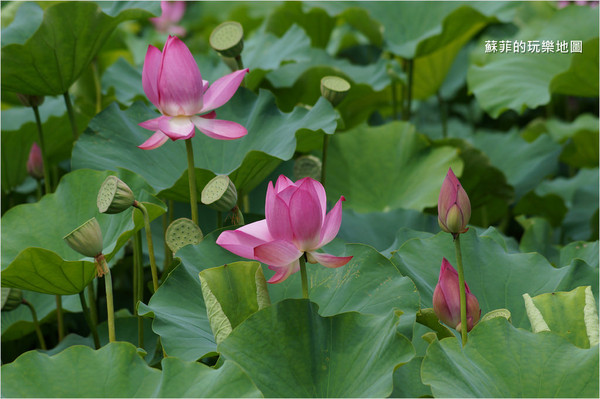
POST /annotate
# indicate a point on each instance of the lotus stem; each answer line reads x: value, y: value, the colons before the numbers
x: 394, y: 100
x: 46, y: 166
x: 240, y: 65
x: 192, y: 180
x: 36, y: 324
x: 138, y: 279
x: 219, y: 219
x: 92, y: 299
x: 60, y: 318
x: 88, y: 319
x: 97, y: 85
x: 304, y: 276
x: 463, y: 296
x: 71, y: 114
x: 409, y: 72
x: 153, y: 267
x: 110, y: 309
x: 324, y: 158
x: 444, y: 117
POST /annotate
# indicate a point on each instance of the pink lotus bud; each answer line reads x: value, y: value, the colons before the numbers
x: 29, y: 100
x: 35, y: 164
x: 172, y: 12
x: 454, y: 208
x: 446, y: 299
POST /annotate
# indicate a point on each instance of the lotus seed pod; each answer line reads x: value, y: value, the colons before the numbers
x: 86, y: 239
x: 334, y: 89
x: 228, y: 39
x: 11, y: 298
x: 220, y: 194
x: 182, y: 232
x: 30, y: 100
x: 307, y: 166
x: 114, y: 196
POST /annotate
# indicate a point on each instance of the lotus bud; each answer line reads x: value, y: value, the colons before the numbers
x: 454, y: 207
x: 30, y: 100
x: 446, y: 299
x: 220, y: 194
x: 334, y: 89
x: 35, y: 163
x: 228, y: 39
x: 114, y: 196
x: 307, y: 166
x: 11, y: 298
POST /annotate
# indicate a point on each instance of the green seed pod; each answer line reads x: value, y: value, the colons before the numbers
x: 114, y: 196
x: 334, y: 89
x: 220, y: 194
x: 307, y: 166
x: 228, y: 39
x: 86, y: 239
x: 11, y: 298
x: 182, y: 232
x: 30, y: 100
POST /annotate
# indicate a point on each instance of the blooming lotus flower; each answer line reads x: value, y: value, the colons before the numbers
x: 446, y: 299
x: 35, y: 164
x: 454, y: 207
x: 295, y: 224
x: 172, y: 82
x: 172, y: 12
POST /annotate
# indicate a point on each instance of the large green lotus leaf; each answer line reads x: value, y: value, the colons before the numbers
x: 380, y: 229
x: 346, y: 355
x: 178, y: 307
x: 572, y: 315
x: 550, y: 206
x: 560, y: 130
x: 70, y: 32
x: 38, y: 259
x: 387, y: 167
x: 316, y: 22
x: 112, y: 138
x: 496, y: 277
x: 18, y: 322
x: 27, y: 20
x: 524, y: 164
x: 538, y: 236
x: 503, y: 361
x: 231, y: 293
x: 497, y: 80
x: 19, y: 132
x: 76, y: 372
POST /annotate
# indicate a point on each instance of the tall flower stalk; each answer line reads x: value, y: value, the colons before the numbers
x: 454, y: 212
x: 172, y: 82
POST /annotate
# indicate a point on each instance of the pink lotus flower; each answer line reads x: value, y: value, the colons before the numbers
x: 454, y: 207
x: 295, y: 224
x: 172, y: 82
x: 172, y: 12
x: 446, y: 299
x: 35, y: 164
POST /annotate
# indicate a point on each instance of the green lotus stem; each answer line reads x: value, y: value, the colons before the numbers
x: 71, y: 114
x: 92, y: 299
x: 409, y: 72
x: 304, y: 276
x: 88, y: 320
x: 153, y: 267
x: 463, y: 296
x: 246, y: 202
x: 394, y: 100
x: 36, y: 324
x: 138, y: 279
x: 38, y: 190
x: 444, y: 117
x: 219, y: 219
x: 110, y: 309
x: 192, y: 180
x: 240, y: 65
x: 324, y: 158
x: 239, y: 216
x: 38, y: 122
x: 59, y: 318
x: 97, y: 85
x: 168, y: 255
x: 135, y: 274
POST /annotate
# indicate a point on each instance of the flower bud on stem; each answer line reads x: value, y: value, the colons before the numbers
x: 144, y: 211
